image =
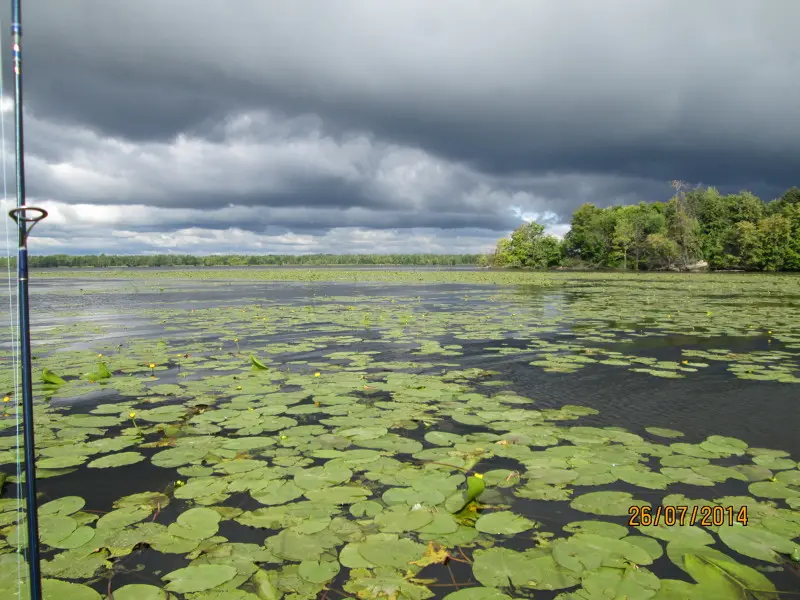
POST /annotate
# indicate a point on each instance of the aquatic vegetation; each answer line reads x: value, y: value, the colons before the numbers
x: 368, y: 445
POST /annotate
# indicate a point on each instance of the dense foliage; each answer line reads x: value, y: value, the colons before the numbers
x: 239, y: 260
x: 735, y: 231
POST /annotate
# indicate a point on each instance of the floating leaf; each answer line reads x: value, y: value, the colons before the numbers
x: 503, y: 522
x: 606, y: 503
x: 663, y: 432
x: 477, y: 593
x: 49, y: 377
x: 140, y: 591
x: 120, y: 459
x: 64, y: 590
x: 62, y: 506
x: 318, y: 572
x: 725, y: 578
x: 196, y: 524
x: 502, y: 567
x: 756, y: 543
x: 620, y: 582
x: 389, y: 551
x: 198, y: 578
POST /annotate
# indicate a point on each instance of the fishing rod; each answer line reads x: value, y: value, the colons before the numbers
x: 25, y: 217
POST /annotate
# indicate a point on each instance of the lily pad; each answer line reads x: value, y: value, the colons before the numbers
x: 503, y: 522
x: 756, y: 543
x: 140, y: 591
x: 198, y: 578
x: 62, y: 506
x: 120, y: 459
x: 663, y: 432
x: 606, y: 503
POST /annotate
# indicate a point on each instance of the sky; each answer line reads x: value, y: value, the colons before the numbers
x: 360, y: 126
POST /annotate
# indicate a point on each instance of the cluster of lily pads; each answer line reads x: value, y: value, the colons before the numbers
x: 393, y: 472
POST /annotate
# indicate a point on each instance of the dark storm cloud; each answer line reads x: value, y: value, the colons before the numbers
x: 541, y: 105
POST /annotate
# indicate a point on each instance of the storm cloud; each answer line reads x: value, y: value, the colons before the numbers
x: 362, y: 126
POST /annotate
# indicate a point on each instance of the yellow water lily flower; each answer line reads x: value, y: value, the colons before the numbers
x: 152, y: 365
x: 132, y: 414
x: 316, y: 374
x: 478, y: 475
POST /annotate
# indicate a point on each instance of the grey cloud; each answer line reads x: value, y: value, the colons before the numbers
x: 407, y: 114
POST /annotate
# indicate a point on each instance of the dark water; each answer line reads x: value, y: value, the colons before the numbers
x: 709, y: 402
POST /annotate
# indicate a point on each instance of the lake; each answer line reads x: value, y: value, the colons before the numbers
x: 242, y: 434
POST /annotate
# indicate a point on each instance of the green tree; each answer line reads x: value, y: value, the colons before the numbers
x: 661, y: 251
x: 683, y: 226
x: 590, y: 238
x: 748, y: 245
x: 528, y: 247
x: 624, y: 237
x: 639, y: 221
x: 791, y: 212
x: 775, y: 232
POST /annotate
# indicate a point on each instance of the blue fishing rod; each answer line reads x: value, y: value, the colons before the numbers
x: 25, y: 217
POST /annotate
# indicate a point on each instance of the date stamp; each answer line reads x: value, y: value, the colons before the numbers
x: 669, y: 515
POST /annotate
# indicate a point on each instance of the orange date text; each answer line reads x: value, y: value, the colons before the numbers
x: 669, y: 515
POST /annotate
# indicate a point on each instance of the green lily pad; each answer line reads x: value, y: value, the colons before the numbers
x: 198, y: 578
x: 389, y: 551
x: 686, y: 535
x: 756, y: 543
x: 477, y: 593
x: 611, y: 530
x: 586, y: 551
x: 277, y: 492
x: 663, y: 432
x: 772, y: 489
x: 55, y: 589
x: 503, y: 522
x: 606, y: 503
x: 140, y: 591
x: 318, y: 572
x: 501, y: 567
x: 725, y: 578
x: 120, y: 459
x: 196, y: 524
x: 398, y: 520
x: 62, y: 506
x: 344, y: 494
x: 620, y: 582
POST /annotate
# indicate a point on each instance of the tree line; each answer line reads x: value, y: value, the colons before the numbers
x: 696, y: 228
x: 242, y: 260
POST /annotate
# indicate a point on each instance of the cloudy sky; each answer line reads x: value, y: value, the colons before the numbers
x: 260, y: 126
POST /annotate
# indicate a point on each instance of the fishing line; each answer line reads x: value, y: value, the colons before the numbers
x: 11, y: 312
